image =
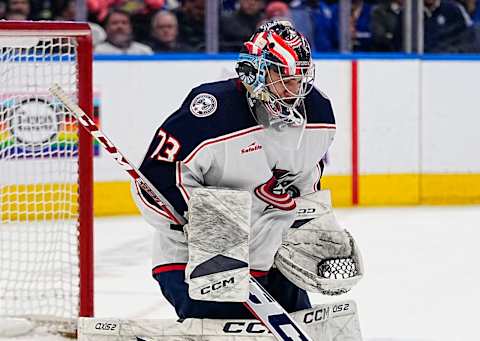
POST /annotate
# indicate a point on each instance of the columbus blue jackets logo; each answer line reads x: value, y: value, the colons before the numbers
x: 203, y: 105
x: 285, y: 180
x: 279, y: 191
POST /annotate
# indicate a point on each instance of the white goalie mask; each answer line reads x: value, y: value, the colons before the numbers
x: 277, y: 70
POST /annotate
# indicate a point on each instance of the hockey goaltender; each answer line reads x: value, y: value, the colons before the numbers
x: 242, y: 161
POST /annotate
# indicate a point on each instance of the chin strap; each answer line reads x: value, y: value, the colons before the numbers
x: 265, y: 117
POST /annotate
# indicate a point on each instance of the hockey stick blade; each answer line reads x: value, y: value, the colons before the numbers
x: 260, y: 303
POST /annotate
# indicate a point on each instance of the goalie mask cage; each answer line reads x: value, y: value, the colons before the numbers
x: 46, y: 183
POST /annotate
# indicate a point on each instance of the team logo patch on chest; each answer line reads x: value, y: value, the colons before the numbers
x: 203, y: 105
x: 279, y: 191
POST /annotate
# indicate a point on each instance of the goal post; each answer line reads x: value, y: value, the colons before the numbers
x: 46, y: 173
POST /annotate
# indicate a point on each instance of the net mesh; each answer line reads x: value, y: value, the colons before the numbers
x: 39, y: 273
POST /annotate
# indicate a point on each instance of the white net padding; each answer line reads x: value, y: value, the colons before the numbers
x: 39, y: 265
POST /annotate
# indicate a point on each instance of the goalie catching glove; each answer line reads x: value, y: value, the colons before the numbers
x: 317, y: 254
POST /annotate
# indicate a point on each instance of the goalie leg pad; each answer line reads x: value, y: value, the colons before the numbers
x: 327, y: 322
x: 218, y: 234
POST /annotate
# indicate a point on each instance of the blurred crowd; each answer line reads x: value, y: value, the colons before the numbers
x: 158, y: 26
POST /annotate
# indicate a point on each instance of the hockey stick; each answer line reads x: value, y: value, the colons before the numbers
x: 262, y: 305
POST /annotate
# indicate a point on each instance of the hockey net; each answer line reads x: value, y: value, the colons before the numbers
x: 45, y: 175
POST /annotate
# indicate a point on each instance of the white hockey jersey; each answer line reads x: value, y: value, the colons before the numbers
x: 214, y: 140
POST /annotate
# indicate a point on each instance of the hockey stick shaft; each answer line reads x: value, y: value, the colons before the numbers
x: 86, y: 122
x: 260, y: 303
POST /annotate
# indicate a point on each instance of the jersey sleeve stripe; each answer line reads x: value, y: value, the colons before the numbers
x: 182, y: 266
x: 320, y: 126
x: 258, y: 273
x: 220, y: 139
x: 152, y: 207
x: 169, y: 267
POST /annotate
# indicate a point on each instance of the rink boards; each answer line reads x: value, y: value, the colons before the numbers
x: 406, y: 127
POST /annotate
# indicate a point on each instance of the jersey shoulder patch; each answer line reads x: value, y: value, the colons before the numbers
x: 210, y: 110
x: 203, y: 105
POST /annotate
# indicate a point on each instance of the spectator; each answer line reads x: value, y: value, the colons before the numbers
x: 359, y: 25
x: 141, y: 14
x: 448, y: 27
x: 228, y: 5
x: 164, y: 33
x: 314, y: 19
x: 32, y: 9
x: 43, y: 9
x: 15, y: 16
x: 237, y: 27
x: 476, y: 14
x: 191, y: 24
x: 473, y: 8
x: 281, y: 11
x: 277, y: 10
x: 385, y: 25
x: 3, y: 9
x: 171, y: 4
x: 20, y: 7
x: 119, y: 36
x: 98, y: 9
x: 66, y: 11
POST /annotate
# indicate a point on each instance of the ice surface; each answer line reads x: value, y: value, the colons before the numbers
x: 421, y: 281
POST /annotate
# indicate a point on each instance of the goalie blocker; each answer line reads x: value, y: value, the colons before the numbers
x: 328, y: 322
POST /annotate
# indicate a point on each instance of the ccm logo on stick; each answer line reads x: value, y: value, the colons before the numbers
x: 250, y: 327
x: 105, y: 326
x: 217, y: 286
